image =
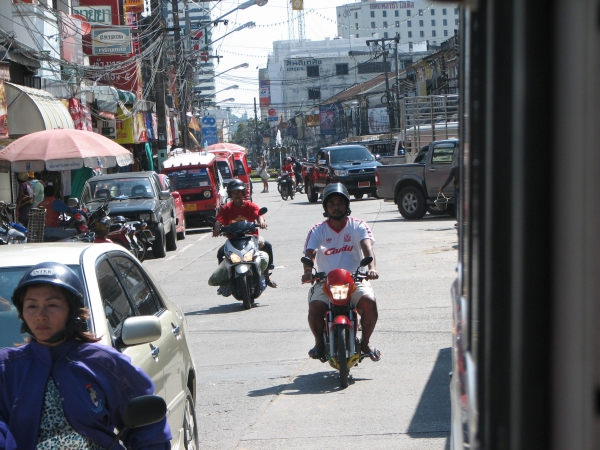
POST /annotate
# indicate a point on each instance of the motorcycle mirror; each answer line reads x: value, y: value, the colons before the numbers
x: 307, y: 262
x: 141, y: 411
x: 73, y: 202
x: 211, y: 220
x: 366, y: 261
x: 262, y: 211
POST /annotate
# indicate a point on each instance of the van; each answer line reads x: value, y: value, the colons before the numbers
x: 197, y: 178
x: 243, y: 169
x: 225, y: 164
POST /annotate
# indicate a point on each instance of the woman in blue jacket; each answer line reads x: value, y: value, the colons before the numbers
x: 62, y: 389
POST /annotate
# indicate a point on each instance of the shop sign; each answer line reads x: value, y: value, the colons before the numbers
x: 265, y: 93
x: 139, y: 128
x: 3, y: 112
x: 122, y: 72
x: 312, y: 120
x: 125, y: 134
x: 111, y: 41
x: 97, y: 15
x: 327, y: 119
x: 108, y: 128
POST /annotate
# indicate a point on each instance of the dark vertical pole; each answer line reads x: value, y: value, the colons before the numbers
x: 160, y: 90
x: 390, y: 109
x: 256, y: 132
x: 181, y: 87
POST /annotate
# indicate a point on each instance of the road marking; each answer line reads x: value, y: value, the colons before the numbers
x: 186, y: 247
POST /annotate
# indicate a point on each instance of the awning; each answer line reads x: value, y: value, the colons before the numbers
x: 19, y: 58
x: 108, y: 96
x: 31, y: 110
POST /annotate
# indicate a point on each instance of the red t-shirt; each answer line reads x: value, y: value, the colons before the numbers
x: 230, y: 213
x: 52, y: 217
x: 287, y: 168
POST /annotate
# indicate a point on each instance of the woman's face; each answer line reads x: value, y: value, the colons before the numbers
x: 45, y: 311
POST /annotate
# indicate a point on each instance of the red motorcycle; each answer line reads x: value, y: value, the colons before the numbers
x: 342, y: 349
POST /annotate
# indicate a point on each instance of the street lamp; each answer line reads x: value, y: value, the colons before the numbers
x: 226, y: 100
x: 206, y: 80
x: 244, y: 5
x: 241, y: 27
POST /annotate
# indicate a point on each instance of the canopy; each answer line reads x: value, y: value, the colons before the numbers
x: 227, y: 146
x: 63, y: 149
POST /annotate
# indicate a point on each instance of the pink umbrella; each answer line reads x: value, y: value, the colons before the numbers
x: 227, y: 146
x: 63, y: 149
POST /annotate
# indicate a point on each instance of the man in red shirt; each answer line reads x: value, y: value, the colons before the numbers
x: 289, y: 169
x: 52, y: 229
x: 236, y: 210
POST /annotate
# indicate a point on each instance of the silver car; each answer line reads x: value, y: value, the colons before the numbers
x: 128, y: 310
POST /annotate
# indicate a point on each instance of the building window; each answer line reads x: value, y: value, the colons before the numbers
x: 356, y: 15
x: 433, y: 23
x: 420, y: 23
x: 410, y: 34
x: 397, y: 24
x: 312, y: 71
x: 432, y: 33
x: 456, y: 11
x: 422, y: 33
x: 357, y: 36
x: 396, y: 13
x: 372, y: 24
x: 444, y: 12
x: 341, y: 69
x: 445, y: 22
x: 314, y: 93
x: 384, y: 13
x: 408, y: 13
x: 433, y: 12
x: 445, y: 32
x: 409, y: 23
x: 356, y: 26
x: 384, y: 24
x: 420, y: 12
x: 385, y: 35
x: 372, y: 13
x: 455, y: 21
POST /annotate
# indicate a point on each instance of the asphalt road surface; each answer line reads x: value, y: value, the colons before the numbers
x: 258, y: 389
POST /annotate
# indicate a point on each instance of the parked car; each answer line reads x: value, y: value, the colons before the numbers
x: 136, y: 196
x: 165, y: 184
x: 122, y: 298
x: 352, y: 165
x: 196, y: 177
x: 414, y: 187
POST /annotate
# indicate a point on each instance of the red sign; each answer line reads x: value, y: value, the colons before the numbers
x: 125, y: 77
x: 203, y: 56
x: 272, y: 112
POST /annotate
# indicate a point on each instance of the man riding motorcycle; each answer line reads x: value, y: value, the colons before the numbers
x: 297, y: 170
x: 289, y: 169
x: 340, y: 242
x: 239, y: 209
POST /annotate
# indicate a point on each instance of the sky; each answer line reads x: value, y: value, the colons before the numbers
x: 252, y: 46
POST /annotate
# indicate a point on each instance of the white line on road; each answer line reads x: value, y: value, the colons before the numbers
x: 186, y: 247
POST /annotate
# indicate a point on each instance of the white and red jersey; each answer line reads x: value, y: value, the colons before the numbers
x: 338, y: 249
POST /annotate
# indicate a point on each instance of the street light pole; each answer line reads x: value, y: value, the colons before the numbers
x: 181, y: 87
x: 256, y: 132
x: 159, y: 83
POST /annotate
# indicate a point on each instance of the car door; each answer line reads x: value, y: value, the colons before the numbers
x: 439, y: 166
x: 322, y: 171
x: 167, y: 351
x: 165, y: 206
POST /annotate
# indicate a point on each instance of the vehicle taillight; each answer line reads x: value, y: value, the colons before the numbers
x: 377, y: 182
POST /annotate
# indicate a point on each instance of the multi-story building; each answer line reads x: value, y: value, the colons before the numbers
x: 413, y: 21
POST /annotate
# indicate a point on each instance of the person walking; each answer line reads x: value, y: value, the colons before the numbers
x: 263, y: 173
x: 24, y: 199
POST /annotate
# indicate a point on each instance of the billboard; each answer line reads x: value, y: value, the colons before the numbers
x: 111, y: 41
x: 327, y: 119
x: 379, y: 121
x: 265, y: 93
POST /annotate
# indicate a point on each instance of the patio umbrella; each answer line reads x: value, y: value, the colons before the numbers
x: 62, y: 149
x: 227, y: 146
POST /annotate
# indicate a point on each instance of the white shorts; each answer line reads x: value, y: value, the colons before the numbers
x: 362, y: 289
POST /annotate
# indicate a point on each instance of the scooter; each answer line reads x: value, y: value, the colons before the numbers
x: 10, y: 232
x: 341, y: 321
x: 243, y: 263
x: 285, y: 186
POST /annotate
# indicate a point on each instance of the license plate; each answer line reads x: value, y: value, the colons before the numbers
x: 190, y: 207
x: 364, y: 183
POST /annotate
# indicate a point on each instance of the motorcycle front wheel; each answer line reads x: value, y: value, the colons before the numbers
x: 340, y: 335
x: 291, y: 189
x: 245, y: 291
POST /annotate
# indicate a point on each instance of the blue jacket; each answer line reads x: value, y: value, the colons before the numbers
x: 94, y: 381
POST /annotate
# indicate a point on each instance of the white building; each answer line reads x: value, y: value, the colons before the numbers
x: 414, y: 22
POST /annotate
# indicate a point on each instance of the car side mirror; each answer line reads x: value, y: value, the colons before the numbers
x: 164, y: 195
x: 140, y: 330
x: 176, y: 194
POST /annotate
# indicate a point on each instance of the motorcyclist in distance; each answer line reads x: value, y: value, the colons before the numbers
x: 289, y: 169
x: 340, y: 242
x: 297, y: 169
x: 236, y: 210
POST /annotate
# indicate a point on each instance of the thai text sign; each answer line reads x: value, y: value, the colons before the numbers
x: 111, y: 41
x: 101, y: 15
x: 392, y: 5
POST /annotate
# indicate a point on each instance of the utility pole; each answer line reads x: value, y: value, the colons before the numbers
x: 159, y: 83
x: 397, y: 40
x: 390, y: 106
x: 181, y: 87
x: 254, y: 157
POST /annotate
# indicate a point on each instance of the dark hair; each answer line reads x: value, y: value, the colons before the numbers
x: 49, y: 191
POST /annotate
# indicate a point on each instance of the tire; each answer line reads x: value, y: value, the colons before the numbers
x: 181, y: 235
x: 291, y: 191
x: 284, y: 192
x: 190, y: 425
x: 159, y: 248
x: 411, y: 203
x: 359, y: 196
x: 172, y: 237
x: 142, y: 252
x: 313, y: 197
x: 340, y: 337
x: 245, y: 290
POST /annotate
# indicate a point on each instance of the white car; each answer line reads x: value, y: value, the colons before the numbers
x: 128, y: 310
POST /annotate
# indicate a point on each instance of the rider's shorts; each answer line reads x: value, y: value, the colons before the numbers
x: 362, y: 288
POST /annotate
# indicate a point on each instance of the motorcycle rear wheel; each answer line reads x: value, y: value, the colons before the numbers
x: 340, y: 335
x: 284, y: 192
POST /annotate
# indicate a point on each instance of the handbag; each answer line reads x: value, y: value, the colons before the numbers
x: 264, y: 175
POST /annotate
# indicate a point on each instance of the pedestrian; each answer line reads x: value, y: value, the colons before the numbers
x: 62, y: 389
x: 263, y: 173
x: 38, y: 188
x: 24, y: 199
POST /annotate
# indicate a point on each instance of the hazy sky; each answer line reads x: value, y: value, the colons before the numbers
x: 252, y: 46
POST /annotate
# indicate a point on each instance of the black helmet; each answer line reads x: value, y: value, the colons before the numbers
x: 336, y: 189
x: 102, y: 227
x: 235, y: 185
x: 53, y: 273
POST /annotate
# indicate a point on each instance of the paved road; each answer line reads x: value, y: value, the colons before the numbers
x: 257, y: 388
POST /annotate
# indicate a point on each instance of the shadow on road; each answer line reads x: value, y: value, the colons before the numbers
x: 424, y: 219
x: 314, y: 383
x: 432, y: 416
x: 220, y: 309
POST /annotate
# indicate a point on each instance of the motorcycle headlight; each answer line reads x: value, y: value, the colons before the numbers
x: 248, y: 256
x: 235, y: 258
x: 339, y: 292
x: 341, y: 173
x: 145, y: 217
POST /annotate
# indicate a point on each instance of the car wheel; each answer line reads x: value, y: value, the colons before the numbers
x: 411, y: 203
x: 359, y: 196
x: 159, y: 249
x: 313, y: 197
x: 181, y: 235
x: 172, y: 237
x: 190, y: 426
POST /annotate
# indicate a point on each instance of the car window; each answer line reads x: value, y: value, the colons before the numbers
x: 442, y: 153
x: 190, y: 178
x: 224, y: 170
x: 116, y: 305
x: 240, y: 167
x: 99, y: 189
x: 145, y: 301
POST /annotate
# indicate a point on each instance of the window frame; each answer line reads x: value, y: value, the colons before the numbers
x: 310, y: 71
x: 341, y: 69
x: 313, y: 97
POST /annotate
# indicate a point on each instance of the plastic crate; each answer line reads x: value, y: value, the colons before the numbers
x: 35, y: 232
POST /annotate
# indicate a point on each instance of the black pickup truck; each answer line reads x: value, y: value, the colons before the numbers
x: 352, y: 165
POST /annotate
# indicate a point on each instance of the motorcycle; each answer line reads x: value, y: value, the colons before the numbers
x: 342, y: 349
x: 242, y: 262
x: 10, y: 232
x: 285, y: 186
x: 299, y: 185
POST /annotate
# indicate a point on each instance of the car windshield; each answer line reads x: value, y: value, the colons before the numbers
x: 225, y: 171
x: 119, y: 188
x: 189, y: 178
x: 350, y: 154
x: 240, y: 167
x: 9, y: 320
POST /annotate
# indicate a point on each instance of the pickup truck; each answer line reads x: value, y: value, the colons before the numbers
x: 352, y: 165
x: 414, y: 187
